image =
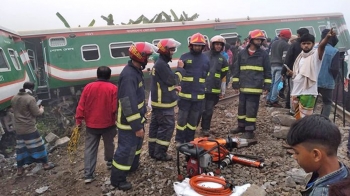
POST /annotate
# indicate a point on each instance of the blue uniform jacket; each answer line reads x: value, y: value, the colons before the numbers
x: 163, y: 93
x: 131, y: 95
x: 193, y: 81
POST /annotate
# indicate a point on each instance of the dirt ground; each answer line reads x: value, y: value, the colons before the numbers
x: 154, y: 177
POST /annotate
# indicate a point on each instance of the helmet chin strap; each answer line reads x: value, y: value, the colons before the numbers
x: 143, y: 64
x: 256, y: 45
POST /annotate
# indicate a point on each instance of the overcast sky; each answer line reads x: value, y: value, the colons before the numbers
x: 41, y: 14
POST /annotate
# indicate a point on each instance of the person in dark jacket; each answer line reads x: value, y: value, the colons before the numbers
x: 192, y: 92
x: 97, y: 107
x: 163, y: 100
x: 292, y: 53
x: 315, y: 141
x: 29, y: 144
x: 270, y: 45
x: 131, y: 114
x: 279, y: 50
x: 252, y: 76
x: 218, y: 70
x: 328, y: 73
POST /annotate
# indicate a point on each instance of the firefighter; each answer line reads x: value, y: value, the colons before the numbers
x: 131, y: 114
x: 218, y: 70
x: 192, y: 85
x: 163, y: 100
x: 252, y: 76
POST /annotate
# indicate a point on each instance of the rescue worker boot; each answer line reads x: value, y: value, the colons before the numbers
x: 248, y: 135
x: 238, y: 130
x: 124, y: 186
x: 164, y: 157
x: 160, y: 153
x: 205, y: 132
x: 178, y: 144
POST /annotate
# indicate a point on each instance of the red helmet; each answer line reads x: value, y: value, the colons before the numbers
x: 197, y: 39
x: 140, y: 51
x: 165, y: 45
x: 256, y: 34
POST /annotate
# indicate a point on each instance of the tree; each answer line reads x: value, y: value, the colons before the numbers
x: 163, y: 17
x: 192, y: 18
x: 174, y: 15
x: 108, y: 19
x: 92, y: 23
x: 62, y: 19
x: 66, y: 23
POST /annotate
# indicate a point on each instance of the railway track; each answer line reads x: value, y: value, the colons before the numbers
x: 228, y: 98
x: 343, y: 114
x: 340, y: 112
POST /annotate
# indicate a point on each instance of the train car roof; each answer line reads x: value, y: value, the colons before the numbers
x: 8, y: 30
x: 168, y: 24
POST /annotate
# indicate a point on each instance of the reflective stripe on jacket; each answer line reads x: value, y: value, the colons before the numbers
x: 131, y: 95
x: 218, y: 70
x: 252, y: 73
x: 193, y: 81
x: 163, y: 93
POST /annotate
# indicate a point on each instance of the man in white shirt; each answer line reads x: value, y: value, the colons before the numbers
x: 305, y: 73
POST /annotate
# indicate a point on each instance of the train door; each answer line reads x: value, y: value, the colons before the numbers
x: 37, y: 60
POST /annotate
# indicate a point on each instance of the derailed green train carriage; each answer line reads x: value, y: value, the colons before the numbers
x: 64, y: 60
x: 14, y: 69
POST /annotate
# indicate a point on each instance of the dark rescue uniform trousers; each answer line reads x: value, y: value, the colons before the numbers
x: 92, y: 141
x: 209, y: 103
x: 187, y: 119
x: 127, y: 156
x: 161, y: 130
x: 247, y: 111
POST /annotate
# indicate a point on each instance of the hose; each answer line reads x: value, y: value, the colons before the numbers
x: 225, y: 190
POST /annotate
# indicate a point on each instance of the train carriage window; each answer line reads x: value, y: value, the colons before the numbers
x: 14, y: 59
x: 335, y: 28
x: 57, y: 41
x: 207, y: 41
x: 230, y: 37
x: 4, y: 65
x: 279, y: 30
x: 32, y: 58
x: 311, y: 30
x: 321, y: 28
x: 120, y: 49
x: 90, y: 52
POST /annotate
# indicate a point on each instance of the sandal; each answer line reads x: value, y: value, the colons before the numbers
x: 290, y: 151
x: 48, y: 166
x: 285, y: 145
x: 20, y: 171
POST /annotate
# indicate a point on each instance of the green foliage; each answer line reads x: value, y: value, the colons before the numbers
x: 92, y: 23
x: 66, y: 23
x: 62, y: 19
x: 9, y: 150
x: 163, y: 17
x: 109, y: 19
x: 174, y: 15
x: 43, y: 128
x: 167, y: 17
x: 158, y: 18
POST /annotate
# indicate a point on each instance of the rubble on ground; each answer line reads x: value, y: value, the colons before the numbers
x: 280, y: 176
